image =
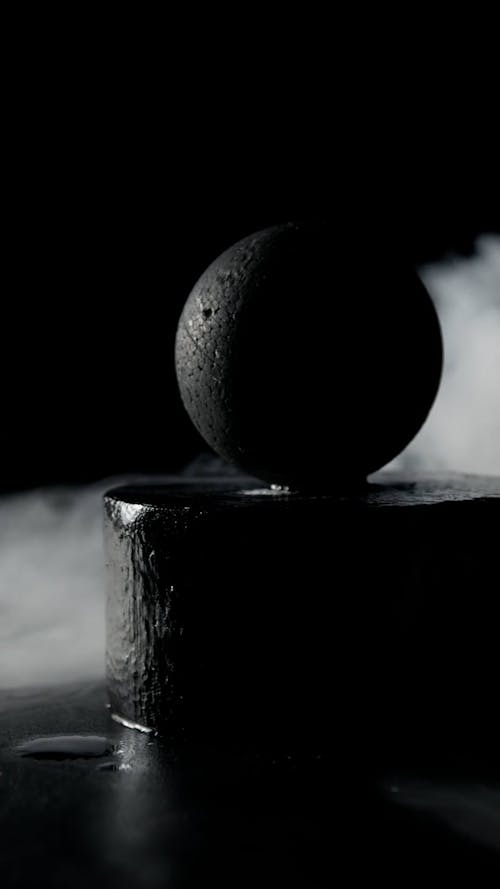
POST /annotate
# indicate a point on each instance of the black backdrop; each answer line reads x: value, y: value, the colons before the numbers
x: 116, y: 202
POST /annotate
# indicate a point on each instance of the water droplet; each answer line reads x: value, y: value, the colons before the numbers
x: 66, y: 747
x: 121, y: 720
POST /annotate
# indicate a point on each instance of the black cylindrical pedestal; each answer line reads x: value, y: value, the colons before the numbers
x: 372, y: 620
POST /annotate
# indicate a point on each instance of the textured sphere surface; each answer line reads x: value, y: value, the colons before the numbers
x: 306, y: 361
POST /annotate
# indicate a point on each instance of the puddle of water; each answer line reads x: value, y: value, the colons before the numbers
x: 66, y: 747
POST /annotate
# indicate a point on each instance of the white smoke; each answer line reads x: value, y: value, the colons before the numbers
x: 462, y: 432
x: 471, y: 810
x: 51, y: 558
x: 51, y: 587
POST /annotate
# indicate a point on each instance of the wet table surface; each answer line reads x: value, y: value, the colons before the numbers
x: 87, y: 802
x: 104, y: 805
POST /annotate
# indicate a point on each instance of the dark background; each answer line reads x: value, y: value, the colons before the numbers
x: 127, y: 167
x: 128, y: 172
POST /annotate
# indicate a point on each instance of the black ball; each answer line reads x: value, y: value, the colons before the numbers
x: 307, y: 361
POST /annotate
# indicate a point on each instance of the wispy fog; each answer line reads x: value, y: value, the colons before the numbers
x: 51, y: 587
x: 470, y: 810
x: 51, y: 560
x: 462, y: 432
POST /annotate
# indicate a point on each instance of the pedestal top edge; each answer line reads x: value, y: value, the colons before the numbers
x: 382, y: 489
